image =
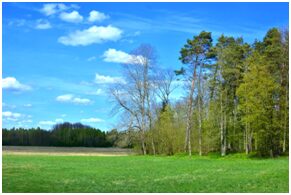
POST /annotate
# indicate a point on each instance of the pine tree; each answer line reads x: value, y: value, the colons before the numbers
x: 196, y: 53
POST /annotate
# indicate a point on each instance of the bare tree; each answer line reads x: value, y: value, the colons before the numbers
x: 164, y: 85
x: 135, y: 96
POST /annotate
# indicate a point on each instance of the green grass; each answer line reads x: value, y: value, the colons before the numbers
x: 40, y: 173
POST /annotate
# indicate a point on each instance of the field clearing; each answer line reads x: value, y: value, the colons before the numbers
x: 65, y: 151
x: 61, y: 173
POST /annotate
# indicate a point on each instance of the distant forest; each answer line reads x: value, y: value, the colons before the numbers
x: 65, y: 134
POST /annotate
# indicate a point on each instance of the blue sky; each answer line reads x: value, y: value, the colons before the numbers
x: 59, y: 58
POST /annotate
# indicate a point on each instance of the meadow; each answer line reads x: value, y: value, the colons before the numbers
x: 91, y: 173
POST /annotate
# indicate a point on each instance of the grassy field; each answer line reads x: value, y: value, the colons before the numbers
x: 60, y: 173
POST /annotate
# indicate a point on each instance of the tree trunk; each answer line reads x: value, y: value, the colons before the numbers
x: 250, y: 143
x: 256, y: 142
x: 246, y: 139
x: 189, y: 113
x: 234, y: 139
x: 199, y: 131
x: 143, y: 127
x: 222, y: 146
x: 284, y: 141
x: 186, y: 139
x: 150, y: 117
x: 144, y: 95
x: 199, y: 115
x: 224, y: 133
x: 143, y: 148
x: 285, y: 120
x: 151, y: 129
x: 153, y: 146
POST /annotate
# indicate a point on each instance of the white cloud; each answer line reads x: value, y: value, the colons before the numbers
x: 96, y: 16
x: 49, y: 9
x: 65, y: 98
x: 53, y: 8
x: 91, y: 120
x: 12, y: 83
x: 16, y: 117
x: 73, y: 17
x: 117, y: 56
x: 94, y: 34
x: 62, y: 7
x: 9, y: 114
x: 42, y: 24
x: 27, y: 105
x: 81, y: 101
x: 72, y: 99
x: 63, y: 115
x: 101, y: 79
x: 49, y: 123
x: 113, y: 55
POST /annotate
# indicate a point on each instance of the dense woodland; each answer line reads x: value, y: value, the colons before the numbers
x: 236, y: 99
x: 65, y: 134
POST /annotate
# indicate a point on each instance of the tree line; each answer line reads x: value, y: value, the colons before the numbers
x: 236, y: 97
x: 65, y: 134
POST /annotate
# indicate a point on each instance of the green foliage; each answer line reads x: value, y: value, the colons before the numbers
x: 273, y: 50
x: 240, y: 97
x: 199, y: 45
x: 165, y: 132
x: 211, y: 136
x: 121, y: 139
x: 256, y: 102
x: 180, y: 72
